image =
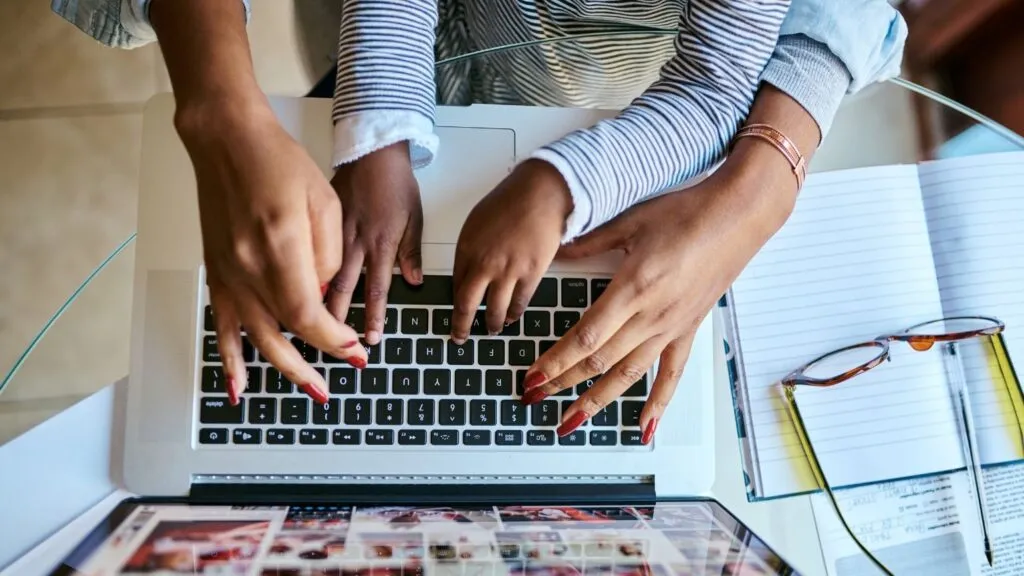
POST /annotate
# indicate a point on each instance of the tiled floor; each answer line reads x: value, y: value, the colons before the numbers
x: 70, y: 126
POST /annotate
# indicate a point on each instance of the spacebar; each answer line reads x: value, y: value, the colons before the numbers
x: 435, y: 291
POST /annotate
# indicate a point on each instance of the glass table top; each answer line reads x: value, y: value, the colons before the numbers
x: 875, y: 127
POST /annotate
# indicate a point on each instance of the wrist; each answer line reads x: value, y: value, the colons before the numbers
x: 219, y: 120
x: 548, y: 188
x: 759, y: 184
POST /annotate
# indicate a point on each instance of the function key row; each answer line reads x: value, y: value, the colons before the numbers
x: 416, y: 437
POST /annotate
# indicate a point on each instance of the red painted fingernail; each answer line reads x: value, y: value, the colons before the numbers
x: 232, y: 395
x: 357, y: 362
x: 323, y: 290
x: 534, y: 396
x: 649, y: 432
x: 533, y: 380
x: 571, y: 424
x: 349, y: 344
x: 315, y: 393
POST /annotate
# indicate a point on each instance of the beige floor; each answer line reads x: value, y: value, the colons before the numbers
x: 69, y: 139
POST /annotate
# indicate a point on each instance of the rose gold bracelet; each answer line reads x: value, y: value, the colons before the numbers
x: 781, y: 143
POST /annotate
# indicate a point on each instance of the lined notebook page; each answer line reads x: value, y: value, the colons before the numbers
x: 853, y: 262
x: 975, y: 210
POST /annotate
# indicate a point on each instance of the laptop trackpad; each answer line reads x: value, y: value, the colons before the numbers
x: 470, y: 162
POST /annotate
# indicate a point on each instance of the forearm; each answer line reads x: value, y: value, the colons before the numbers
x: 206, y: 50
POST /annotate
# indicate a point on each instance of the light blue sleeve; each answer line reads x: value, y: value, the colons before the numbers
x: 830, y: 48
x: 117, y: 23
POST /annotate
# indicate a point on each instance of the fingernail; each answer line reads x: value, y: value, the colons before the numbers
x: 649, y: 432
x: 417, y: 276
x: 349, y: 344
x: 232, y: 394
x: 492, y: 332
x: 357, y: 362
x: 534, y: 396
x: 533, y: 380
x: 372, y: 337
x: 571, y: 424
x: 323, y: 290
x: 315, y: 392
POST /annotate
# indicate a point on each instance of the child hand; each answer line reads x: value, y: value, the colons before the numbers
x: 506, y: 245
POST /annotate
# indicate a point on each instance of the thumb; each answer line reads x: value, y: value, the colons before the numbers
x: 410, y: 258
x: 609, y: 236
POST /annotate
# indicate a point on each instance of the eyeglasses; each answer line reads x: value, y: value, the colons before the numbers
x: 844, y: 364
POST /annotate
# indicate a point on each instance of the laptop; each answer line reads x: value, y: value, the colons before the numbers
x: 423, y: 463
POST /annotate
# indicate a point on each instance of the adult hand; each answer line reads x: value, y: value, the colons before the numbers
x: 506, y: 244
x: 271, y: 241
x: 683, y: 250
x: 383, y: 223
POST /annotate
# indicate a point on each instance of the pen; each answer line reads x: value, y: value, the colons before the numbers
x: 968, y: 438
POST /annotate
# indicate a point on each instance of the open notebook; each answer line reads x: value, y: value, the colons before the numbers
x: 867, y: 252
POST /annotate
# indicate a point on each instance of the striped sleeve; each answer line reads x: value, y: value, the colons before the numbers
x: 385, y: 81
x: 681, y: 125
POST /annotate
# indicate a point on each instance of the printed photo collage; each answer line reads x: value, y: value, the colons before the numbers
x: 667, y: 540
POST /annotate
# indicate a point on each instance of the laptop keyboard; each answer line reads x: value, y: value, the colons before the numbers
x: 420, y: 388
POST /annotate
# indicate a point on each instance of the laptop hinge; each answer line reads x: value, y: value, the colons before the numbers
x: 424, y: 493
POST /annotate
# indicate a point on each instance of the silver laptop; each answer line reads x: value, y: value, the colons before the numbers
x: 419, y: 413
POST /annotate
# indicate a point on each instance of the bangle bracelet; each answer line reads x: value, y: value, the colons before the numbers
x: 781, y: 143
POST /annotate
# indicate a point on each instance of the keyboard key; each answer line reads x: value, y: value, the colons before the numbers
x: 208, y: 323
x: 498, y: 382
x: 482, y: 412
x: 586, y: 385
x: 389, y: 412
x: 521, y: 352
x: 442, y: 322
x: 253, y: 379
x: 564, y: 392
x: 213, y: 380
x: 329, y: 413
x: 631, y: 412
x: 277, y: 383
x: 545, y: 345
x: 356, y: 318
x: 262, y: 410
x: 210, y: 352
x: 638, y: 389
x: 429, y: 351
x: 373, y: 381
x: 246, y: 436
x: 508, y: 437
x: 357, y: 411
x: 345, y: 437
x: 520, y: 379
x: 342, y: 381
x: 564, y: 321
x: 546, y: 295
x: 380, y: 437
x: 513, y: 413
x: 479, y: 325
x: 294, y: 410
x: 452, y: 413
x: 608, y: 416
x: 492, y: 352
x: 444, y: 437
x: 537, y: 323
x: 308, y: 352
x: 460, y: 355
x: 373, y: 353
x: 544, y: 413
x: 391, y: 321
x: 630, y: 438
x: 434, y: 291
x: 280, y: 436
x: 398, y: 351
x: 412, y: 437
x: 512, y: 329
x: 248, y: 351
x: 476, y: 437
x: 597, y: 287
x: 217, y: 410
x: 437, y: 382
x: 577, y: 438
x: 414, y: 321
x: 313, y: 436
x: 421, y: 412
x: 468, y: 382
x: 602, y: 438
x: 540, y: 437
x: 574, y: 293
x: 213, y: 435
x: 405, y: 381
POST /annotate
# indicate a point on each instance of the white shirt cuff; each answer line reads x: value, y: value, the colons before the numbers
x: 582, y: 207
x: 359, y: 134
